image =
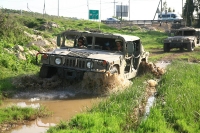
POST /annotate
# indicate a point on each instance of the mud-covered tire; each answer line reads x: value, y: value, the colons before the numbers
x: 114, y: 70
x: 166, y: 47
x: 181, y: 49
x: 44, y: 71
x: 190, y: 47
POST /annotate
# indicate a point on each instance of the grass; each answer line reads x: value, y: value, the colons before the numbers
x: 11, y: 66
x: 177, y: 107
x: 15, y: 114
x: 113, y: 115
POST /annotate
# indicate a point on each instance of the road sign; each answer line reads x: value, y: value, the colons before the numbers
x: 93, y: 14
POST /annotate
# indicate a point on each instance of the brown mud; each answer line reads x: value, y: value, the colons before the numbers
x: 92, y: 84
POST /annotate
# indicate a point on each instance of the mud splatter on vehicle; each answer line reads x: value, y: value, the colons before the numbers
x: 93, y: 56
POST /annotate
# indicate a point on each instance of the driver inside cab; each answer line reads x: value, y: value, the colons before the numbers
x: 119, y: 46
x: 81, y: 43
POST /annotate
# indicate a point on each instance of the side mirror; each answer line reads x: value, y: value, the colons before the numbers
x: 58, y: 40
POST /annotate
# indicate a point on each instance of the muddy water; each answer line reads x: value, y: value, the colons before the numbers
x: 64, y: 103
x: 62, y: 110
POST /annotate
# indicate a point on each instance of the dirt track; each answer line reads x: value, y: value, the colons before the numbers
x: 175, y: 54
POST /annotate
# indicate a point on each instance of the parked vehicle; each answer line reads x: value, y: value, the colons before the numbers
x: 112, y: 20
x: 71, y: 62
x: 169, y: 17
x: 183, y: 38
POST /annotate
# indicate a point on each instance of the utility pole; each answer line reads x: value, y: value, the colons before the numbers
x: 114, y: 7
x: 161, y: 7
x: 182, y: 7
x: 129, y: 10
x: 44, y: 11
x: 58, y: 8
x: 88, y: 9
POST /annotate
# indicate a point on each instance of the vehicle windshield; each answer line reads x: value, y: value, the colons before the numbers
x: 185, y: 33
x: 189, y: 33
x: 86, y: 42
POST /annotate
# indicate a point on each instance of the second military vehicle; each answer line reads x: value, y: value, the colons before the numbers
x: 183, y: 38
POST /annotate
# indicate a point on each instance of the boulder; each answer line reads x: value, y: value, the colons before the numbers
x: 19, y: 48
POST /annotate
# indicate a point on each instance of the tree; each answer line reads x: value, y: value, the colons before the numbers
x: 197, y: 9
x: 188, y: 12
x: 164, y: 6
x: 170, y: 10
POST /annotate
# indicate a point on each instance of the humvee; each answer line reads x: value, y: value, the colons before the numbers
x: 183, y: 38
x: 70, y: 62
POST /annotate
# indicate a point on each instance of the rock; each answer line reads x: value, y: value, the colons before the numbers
x: 32, y: 52
x: 19, y: 48
x: 152, y: 83
x: 42, y: 49
x: 21, y: 56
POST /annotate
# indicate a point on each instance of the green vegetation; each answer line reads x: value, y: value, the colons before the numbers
x: 18, y: 114
x: 177, y: 108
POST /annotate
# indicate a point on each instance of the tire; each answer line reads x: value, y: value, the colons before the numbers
x: 166, y: 47
x: 44, y: 71
x: 181, y: 49
x: 114, y: 70
x: 190, y: 47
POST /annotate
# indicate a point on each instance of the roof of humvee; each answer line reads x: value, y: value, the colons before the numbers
x: 187, y: 28
x: 103, y: 35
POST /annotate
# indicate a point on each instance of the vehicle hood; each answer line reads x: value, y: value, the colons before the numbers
x: 93, y: 54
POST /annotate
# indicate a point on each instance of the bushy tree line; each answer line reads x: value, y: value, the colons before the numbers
x: 189, y: 8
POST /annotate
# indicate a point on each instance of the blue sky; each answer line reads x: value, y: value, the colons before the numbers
x: 139, y: 9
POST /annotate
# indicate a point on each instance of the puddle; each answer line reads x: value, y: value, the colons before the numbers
x: 149, y: 104
x: 162, y: 64
x: 62, y: 110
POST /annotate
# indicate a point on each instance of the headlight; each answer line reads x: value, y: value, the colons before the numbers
x: 58, y: 61
x: 181, y: 40
x: 170, y: 40
x: 90, y: 65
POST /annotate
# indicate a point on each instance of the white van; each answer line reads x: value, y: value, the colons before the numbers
x: 169, y: 17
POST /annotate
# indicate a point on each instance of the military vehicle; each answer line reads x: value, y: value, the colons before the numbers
x: 98, y: 55
x: 183, y: 38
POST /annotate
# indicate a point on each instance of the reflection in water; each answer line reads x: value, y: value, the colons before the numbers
x: 34, y: 127
x: 62, y: 110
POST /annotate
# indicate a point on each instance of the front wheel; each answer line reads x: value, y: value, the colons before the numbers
x: 190, y: 47
x: 166, y: 47
x: 47, y: 72
x: 44, y: 71
x: 114, y: 70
